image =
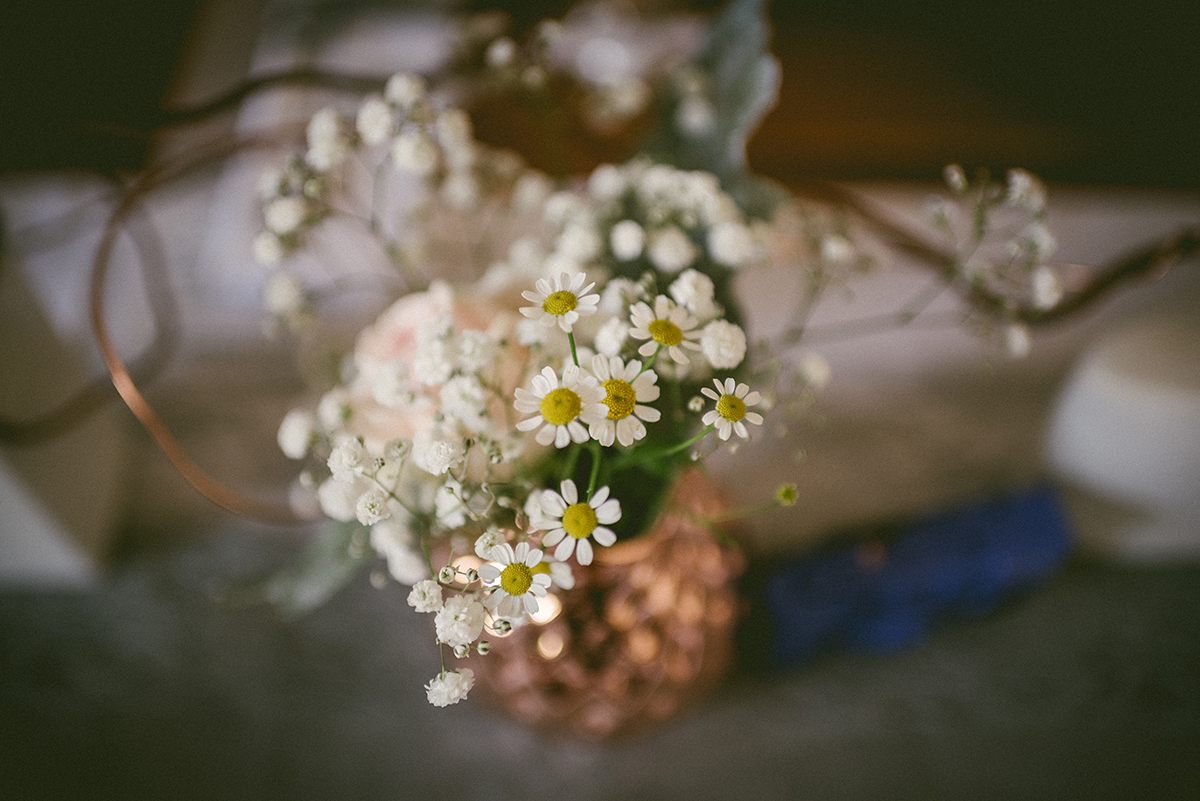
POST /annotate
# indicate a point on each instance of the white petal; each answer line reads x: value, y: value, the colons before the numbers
x: 578, y: 432
x: 562, y: 437
x: 570, y: 493
x: 553, y: 503
x: 546, y: 435
x: 583, y: 552
x: 530, y: 424
x: 625, y: 431
x: 647, y: 413
x: 530, y: 603
x: 754, y: 417
x: 532, y: 297
x: 740, y: 428
x: 551, y: 538
x: 752, y: 399
x: 535, y: 556
x: 709, y: 393
x: 521, y: 552
x: 711, y: 417
x: 564, y: 550
x: 600, y: 367
x: 604, y: 536
x: 609, y: 511
x: 648, y: 348
x: 730, y: 386
x: 598, y: 497
x: 489, y: 573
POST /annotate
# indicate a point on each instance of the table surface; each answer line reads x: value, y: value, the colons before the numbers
x: 147, y: 687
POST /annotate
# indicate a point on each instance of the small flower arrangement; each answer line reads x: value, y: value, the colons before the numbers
x: 552, y: 355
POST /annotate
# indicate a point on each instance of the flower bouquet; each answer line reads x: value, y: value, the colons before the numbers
x: 547, y: 358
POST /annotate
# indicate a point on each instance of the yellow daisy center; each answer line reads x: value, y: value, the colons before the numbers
x: 559, y: 303
x: 620, y: 399
x: 731, y: 407
x: 666, y: 332
x: 579, y: 520
x: 516, y: 579
x: 561, y: 406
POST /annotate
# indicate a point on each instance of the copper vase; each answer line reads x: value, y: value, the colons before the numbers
x: 647, y: 629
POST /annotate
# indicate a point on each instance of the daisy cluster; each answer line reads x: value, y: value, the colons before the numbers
x: 486, y: 433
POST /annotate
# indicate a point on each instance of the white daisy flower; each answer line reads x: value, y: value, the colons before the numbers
x: 562, y: 301
x: 561, y: 411
x: 518, y: 586
x: 626, y: 388
x: 731, y: 415
x: 577, y: 520
x: 667, y: 325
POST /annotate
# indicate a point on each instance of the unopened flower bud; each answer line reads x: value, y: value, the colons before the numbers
x: 447, y: 575
x: 461, y: 651
x: 483, y: 647
x: 472, y: 575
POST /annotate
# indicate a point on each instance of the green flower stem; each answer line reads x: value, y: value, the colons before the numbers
x: 674, y: 449
x: 572, y: 460
x: 574, y: 355
x: 594, y: 448
x: 653, y: 358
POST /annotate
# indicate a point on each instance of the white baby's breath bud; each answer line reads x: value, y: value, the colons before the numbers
x: 815, y: 370
x: 730, y: 243
x: 955, y: 178
x: 327, y: 146
x: 1016, y: 340
x: 296, y: 433
x: 503, y: 626
x: 606, y: 183
x: 696, y: 404
x: 404, y: 89
x: 723, y: 344
x: 459, y: 621
x: 284, y: 215
x: 694, y: 291
x: 836, y: 250
x: 397, y: 450
x: 483, y: 647
x: 612, y: 337
x: 472, y: 575
x: 486, y: 542
x: 461, y: 651
x: 339, y: 499
x: 282, y: 294
x: 501, y: 52
x: 426, y: 596
x: 374, y: 121
x: 671, y: 250
x: 447, y: 575
x: 414, y: 151
x: 1047, y: 288
x: 531, y: 190
x: 1041, y: 240
x: 346, y: 460
x: 372, y: 506
x: 267, y: 249
x: 627, y: 240
x: 695, y: 116
x: 450, y: 687
x: 333, y: 410
x: 1025, y: 190
x: 579, y: 242
x: 460, y: 190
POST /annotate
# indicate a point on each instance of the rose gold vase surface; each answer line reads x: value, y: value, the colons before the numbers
x: 647, y: 629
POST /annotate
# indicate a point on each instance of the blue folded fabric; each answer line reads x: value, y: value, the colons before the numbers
x: 883, y: 594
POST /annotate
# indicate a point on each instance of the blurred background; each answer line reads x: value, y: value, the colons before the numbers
x: 1090, y: 93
